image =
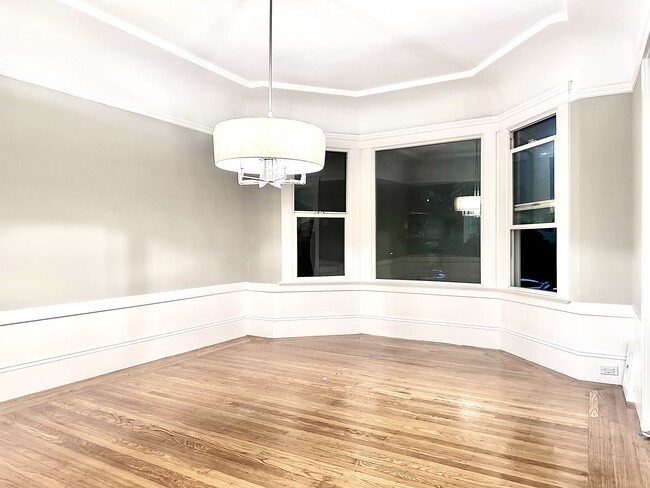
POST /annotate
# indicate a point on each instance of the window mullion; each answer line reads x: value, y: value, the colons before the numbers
x: 320, y: 214
x: 533, y: 144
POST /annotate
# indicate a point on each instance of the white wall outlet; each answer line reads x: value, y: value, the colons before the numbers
x: 609, y: 370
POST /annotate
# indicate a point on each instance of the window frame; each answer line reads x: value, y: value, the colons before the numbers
x: 290, y: 261
x: 560, y: 202
x: 486, y: 133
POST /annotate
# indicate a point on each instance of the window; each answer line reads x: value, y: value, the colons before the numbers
x: 428, y: 212
x: 534, y: 228
x: 319, y: 210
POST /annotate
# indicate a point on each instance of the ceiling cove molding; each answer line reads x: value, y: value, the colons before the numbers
x: 102, y: 16
x: 60, y: 87
x: 532, y: 108
x: 601, y: 91
x: 643, y: 50
x: 143, y: 35
x: 642, y: 37
x: 549, y: 98
x: 444, y: 126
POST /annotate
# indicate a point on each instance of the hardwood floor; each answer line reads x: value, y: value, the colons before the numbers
x: 326, y: 412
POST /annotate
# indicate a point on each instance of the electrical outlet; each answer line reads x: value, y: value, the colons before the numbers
x: 609, y: 370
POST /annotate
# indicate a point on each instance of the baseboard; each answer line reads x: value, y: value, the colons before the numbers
x: 582, y: 365
x: 462, y: 334
x: 303, y: 326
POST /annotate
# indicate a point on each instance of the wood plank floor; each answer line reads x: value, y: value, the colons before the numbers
x: 326, y: 412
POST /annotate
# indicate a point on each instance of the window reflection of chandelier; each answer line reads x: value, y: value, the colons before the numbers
x: 470, y: 205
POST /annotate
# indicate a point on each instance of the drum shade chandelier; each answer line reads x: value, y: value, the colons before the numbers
x: 267, y: 150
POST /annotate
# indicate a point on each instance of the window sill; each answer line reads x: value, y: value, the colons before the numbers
x: 536, y: 295
x: 317, y: 280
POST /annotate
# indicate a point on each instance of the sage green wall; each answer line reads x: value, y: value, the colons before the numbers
x: 637, y: 199
x: 602, y: 224
x: 264, y: 237
x: 96, y: 202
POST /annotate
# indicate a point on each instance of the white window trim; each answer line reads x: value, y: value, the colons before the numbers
x: 487, y: 135
x: 290, y: 233
x: 360, y: 239
x: 561, y: 202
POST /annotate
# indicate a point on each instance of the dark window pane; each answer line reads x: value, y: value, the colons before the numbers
x: 324, y: 191
x: 535, y: 132
x: 321, y: 246
x: 533, y: 174
x: 535, y: 256
x: 534, y: 216
x: 420, y: 233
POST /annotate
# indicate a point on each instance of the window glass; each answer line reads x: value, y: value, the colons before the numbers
x: 321, y: 246
x: 534, y: 132
x: 533, y: 174
x: 428, y: 212
x: 535, y: 256
x: 324, y: 191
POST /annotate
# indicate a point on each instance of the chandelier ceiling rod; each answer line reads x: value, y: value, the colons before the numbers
x: 270, y: 113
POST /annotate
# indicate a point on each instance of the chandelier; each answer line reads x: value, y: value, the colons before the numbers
x: 268, y: 150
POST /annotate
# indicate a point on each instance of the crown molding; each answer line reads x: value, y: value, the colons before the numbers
x: 536, y: 105
x: 51, y: 84
x: 145, y: 36
x: 601, y: 91
x: 554, y: 97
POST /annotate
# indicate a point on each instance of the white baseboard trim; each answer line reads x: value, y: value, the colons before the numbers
x: 48, y: 347
x: 24, y: 379
x: 463, y: 334
x: 303, y: 326
x: 583, y: 365
x: 241, y: 328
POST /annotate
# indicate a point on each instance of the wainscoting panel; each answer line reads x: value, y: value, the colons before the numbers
x: 53, y: 346
x: 75, y: 343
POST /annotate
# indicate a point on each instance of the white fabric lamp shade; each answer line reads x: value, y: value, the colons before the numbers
x: 244, y: 144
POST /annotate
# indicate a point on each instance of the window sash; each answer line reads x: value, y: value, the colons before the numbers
x: 520, y: 207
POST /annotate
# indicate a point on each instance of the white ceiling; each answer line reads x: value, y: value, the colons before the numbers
x: 354, y: 47
x: 347, y: 65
